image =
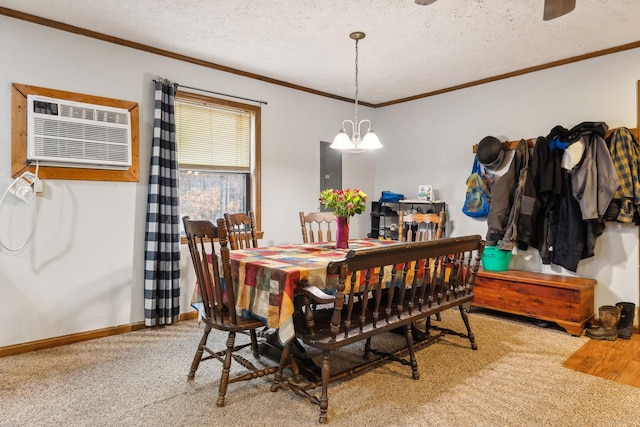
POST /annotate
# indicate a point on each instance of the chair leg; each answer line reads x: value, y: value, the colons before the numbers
x: 198, y: 357
x: 295, y: 370
x: 284, y: 358
x: 427, y: 325
x: 226, y: 368
x: 325, y: 375
x: 254, y: 343
x: 367, y: 348
x: 415, y: 374
x: 465, y: 319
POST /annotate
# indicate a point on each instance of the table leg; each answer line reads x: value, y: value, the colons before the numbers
x: 272, y: 349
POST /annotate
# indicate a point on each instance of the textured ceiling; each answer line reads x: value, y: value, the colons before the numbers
x: 409, y: 50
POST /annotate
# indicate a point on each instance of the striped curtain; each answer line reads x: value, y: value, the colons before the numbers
x: 162, y: 236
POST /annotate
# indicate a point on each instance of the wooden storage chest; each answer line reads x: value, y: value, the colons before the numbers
x: 565, y: 300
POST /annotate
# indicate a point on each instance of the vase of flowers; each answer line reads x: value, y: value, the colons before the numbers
x: 342, y: 232
x: 345, y: 203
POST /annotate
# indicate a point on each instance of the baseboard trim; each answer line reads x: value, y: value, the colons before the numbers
x: 12, y: 350
x: 189, y: 316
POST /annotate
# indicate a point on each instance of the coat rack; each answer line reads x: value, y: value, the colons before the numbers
x: 511, y: 145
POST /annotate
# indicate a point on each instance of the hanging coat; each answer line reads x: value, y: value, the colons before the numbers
x: 567, y: 230
x: 502, y: 194
x: 595, y: 179
x: 520, y: 226
x: 625, y: 154
x: 513, y: 204
x: 547, y: 177
x: 587, y: 190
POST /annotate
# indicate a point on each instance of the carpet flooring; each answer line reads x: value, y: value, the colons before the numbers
x: 515, y: 378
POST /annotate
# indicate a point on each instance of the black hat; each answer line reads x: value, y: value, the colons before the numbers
x: 490, y: 152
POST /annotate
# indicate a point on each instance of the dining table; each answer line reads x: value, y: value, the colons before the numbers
x: 265, y: 278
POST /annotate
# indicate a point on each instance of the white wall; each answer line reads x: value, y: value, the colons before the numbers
x: 83, y: 269
x: 433, y: 139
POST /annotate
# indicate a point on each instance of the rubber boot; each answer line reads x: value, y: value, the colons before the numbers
x: 608, y: 329
x: 625, y: 326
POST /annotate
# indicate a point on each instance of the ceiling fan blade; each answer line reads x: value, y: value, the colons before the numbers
x: 425, y: 2
x: 556, y: 8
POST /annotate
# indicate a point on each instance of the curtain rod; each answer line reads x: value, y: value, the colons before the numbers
x: 223, y: 94
x: 215, y: 93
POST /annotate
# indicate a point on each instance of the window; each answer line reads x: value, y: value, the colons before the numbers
x: 218, y: 156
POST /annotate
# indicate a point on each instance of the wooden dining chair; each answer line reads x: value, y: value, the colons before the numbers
x: 218, y: 298
x: 416, y: 227
x: 316, y: 226
x: 241, y: 229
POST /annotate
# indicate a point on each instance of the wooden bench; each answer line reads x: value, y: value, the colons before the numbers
x: 379, y: 290
x: 564, y: 300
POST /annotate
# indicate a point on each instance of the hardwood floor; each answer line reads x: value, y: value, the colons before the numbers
x: 617, y: 360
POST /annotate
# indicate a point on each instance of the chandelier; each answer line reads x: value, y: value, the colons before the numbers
x: 356, y: 143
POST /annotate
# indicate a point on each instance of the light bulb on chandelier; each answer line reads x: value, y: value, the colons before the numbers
x: 356, y: 143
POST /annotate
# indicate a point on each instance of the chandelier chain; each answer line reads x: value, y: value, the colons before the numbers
x: 356, y: 100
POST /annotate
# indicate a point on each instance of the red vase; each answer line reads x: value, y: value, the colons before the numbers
x: 342, y: 232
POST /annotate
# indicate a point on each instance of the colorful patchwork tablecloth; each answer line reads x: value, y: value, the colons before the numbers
x: 265, y: 278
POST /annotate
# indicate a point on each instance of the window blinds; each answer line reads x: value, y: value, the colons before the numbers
x: 213, y: 137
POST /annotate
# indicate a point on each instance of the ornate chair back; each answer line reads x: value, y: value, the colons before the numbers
x: 316, y: 226
x: 241, y: 230
x: 416, y: 227
x: 210, y: 265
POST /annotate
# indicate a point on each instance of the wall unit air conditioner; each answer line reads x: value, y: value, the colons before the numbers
x: 77, y: 135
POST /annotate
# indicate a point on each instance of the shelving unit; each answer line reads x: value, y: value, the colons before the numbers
x: 384, y: 215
